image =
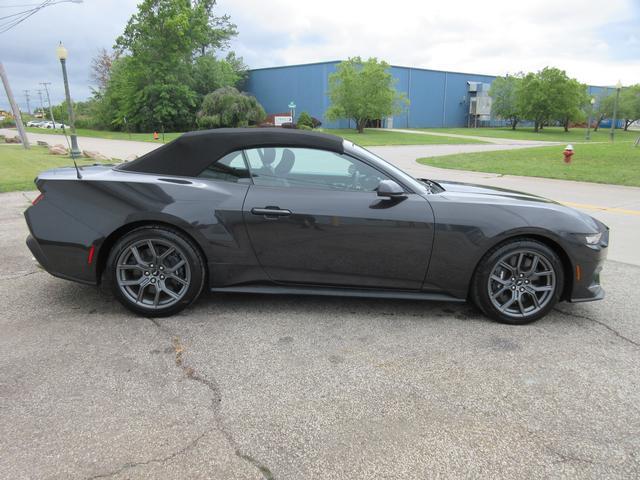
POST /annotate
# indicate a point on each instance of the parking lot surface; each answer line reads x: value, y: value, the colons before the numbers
x: 257, y: 387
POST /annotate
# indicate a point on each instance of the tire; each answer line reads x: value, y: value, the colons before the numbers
x: 518, y: 282
x: 155, y: 271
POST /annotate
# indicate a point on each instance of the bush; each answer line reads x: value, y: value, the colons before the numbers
x: 7, y: 123
x: 304, y: 127
x: 315, y: 123
x: 227, y: 107
x: 305, y: 119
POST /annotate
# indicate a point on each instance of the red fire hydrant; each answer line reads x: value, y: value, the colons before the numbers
x: 155, y: 135
x: 568, y: 153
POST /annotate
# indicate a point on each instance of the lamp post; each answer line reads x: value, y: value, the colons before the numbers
x: 62, y: 55
x: 591, y: 103
x: 615, y: 110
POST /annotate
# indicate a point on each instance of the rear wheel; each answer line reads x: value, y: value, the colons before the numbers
x: 155, y: 271
x: 518, y: 282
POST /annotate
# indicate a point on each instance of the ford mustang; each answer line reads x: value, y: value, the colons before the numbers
x: 291, y: 212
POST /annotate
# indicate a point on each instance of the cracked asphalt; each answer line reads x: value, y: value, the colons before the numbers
x: 257, y: 387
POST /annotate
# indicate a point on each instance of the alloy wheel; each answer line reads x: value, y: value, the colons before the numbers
x: 521, y: 283
x: 153, y: 273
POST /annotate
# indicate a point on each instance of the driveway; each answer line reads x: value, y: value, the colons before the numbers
x: 257, y: 387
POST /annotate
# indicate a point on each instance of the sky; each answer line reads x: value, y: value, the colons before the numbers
x: 597, y: 42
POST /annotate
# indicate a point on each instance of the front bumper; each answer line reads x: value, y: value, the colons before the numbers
x: 588, y: 261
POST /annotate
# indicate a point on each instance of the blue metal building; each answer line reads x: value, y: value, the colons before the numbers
x: 437, y: 98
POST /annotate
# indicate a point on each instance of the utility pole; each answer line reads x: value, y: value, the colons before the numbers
x: 41, y: 104
x: 26, y: 94
x: 16, y: 111
x: 49, y: 101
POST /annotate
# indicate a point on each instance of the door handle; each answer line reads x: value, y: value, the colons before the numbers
x: 271, y: 211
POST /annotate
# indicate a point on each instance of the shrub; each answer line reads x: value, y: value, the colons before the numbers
x: 227, y: 107
x: 304, y: 127
x: 305, y: 119
x: 315, y: 123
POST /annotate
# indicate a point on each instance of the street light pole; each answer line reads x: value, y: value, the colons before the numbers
x: 591, y: 103
x: 62, y: 55
x: 615, y: 110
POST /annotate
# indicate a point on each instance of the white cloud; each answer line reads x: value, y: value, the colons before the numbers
x: 597, y: 44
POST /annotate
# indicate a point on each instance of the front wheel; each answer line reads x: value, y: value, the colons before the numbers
x: 155, y: 271
x: 518, y: 282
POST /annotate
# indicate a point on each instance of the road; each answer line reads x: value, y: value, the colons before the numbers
x: 256, y: 387
x: 617, y: 206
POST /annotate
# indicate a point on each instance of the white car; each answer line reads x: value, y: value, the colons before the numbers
x: 34, y: 123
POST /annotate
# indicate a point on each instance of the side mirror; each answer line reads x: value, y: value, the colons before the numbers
x: 389, y: 188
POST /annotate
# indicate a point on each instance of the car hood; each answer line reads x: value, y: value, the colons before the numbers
x: 539, y: 211
x: 473, y: 189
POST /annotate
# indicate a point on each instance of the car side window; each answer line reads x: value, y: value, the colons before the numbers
x: 311, y: 168
x: 230, y: 168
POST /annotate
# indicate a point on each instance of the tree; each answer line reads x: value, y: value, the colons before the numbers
x: 546, y: 95
x: 363, y: 91
x: 101, y: 68
x: 227, y: 107
x: 573, y: 102
x: 504, y: 95
x: 166, y: 65
x: 305, y: 119
x: 629, y: 105
x: 603, y: 108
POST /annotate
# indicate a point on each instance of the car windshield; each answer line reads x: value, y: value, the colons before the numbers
x: 421, y: 184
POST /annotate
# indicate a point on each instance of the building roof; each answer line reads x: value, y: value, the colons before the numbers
x: 191, y: 153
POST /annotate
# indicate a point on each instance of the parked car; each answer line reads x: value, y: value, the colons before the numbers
x: 34, y: 123
x: 293, y: 212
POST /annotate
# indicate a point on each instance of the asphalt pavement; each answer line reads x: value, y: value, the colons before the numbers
x: 258, y: 387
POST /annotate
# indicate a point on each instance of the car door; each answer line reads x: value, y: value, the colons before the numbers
x: 314, y: 217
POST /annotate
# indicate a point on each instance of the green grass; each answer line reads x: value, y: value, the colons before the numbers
x: 85, y: 132
x: 381, y: 137
x: 617, y: 163
x: 19, y: 167
x: 368, y: 138
x: 549, y: 134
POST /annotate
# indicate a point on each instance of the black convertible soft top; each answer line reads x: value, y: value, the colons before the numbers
x: 191, y: 153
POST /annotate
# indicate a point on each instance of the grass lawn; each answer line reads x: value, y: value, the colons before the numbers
x: 617, y: 164
x: 18, y: 167
x: 549, y: 134
x: 381, y: 137
x: 368, y: 138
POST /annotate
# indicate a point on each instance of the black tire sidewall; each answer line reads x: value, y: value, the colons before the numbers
x: 480, y: 295
x: 193, y: 257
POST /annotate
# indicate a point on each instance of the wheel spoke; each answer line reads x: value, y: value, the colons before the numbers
x: 156, y: 297
x: 534, y: 264
x: 154, y: 256
x: 137, y: 281
x: 126, y: 266
x: 545, y: 273
x: 503, y: 281
x: 519, y: 262
x: 176, y: 266
x: 534, y: 297
x: 136, y: 255
x: 170, y: 293
x: 141, y: 292
x: 542, y: 288
x: 506, y: 266
x: 177, y: 279
x: 500, y: 292
x: 166, y: 253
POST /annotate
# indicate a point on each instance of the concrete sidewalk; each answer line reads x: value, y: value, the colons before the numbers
x: 498, y: 141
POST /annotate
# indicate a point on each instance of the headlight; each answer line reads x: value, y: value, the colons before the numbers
x: 593, y: 239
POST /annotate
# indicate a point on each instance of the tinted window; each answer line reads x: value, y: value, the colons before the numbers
x: 230, y: 168
x: 309, y: 168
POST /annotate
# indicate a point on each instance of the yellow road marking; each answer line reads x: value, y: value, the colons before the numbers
x: 623, y: 211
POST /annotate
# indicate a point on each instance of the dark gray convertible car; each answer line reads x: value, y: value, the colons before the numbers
x: 293, y: 212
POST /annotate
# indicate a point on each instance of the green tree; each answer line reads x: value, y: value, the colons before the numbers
x: 363, y: 91
x: 227, y: 107
x: 603, y: 108
x: 305, y: 119
x: 573, y: 102
x: 629, y: 105
x: 546, y: 95
x: 504, y: 95
x: 166, y: 65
